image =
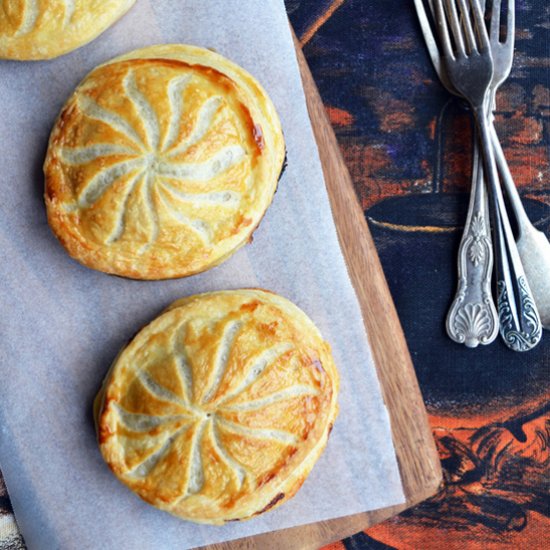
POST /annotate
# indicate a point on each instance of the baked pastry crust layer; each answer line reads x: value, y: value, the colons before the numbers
x: 219, y: 408
x: 162, y: 163
x: 44, y: 29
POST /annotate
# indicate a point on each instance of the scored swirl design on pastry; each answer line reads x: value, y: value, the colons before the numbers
x: 30, y: 13
x: 44, y: 29
x: 212, y: 412
x: 154, y: 163
x: 162, y: 167
x: 25, y: 14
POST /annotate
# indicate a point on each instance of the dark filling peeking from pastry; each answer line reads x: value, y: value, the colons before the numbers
x: 283, y: 168
x: 285, y: 164
x: 272, y: 503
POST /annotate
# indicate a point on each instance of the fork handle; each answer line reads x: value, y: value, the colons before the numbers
x: 520, y: 325
x: 508, y: 181
x: 472, y: 317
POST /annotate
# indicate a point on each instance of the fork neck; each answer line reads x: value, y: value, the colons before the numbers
x: 484, y: 109
x: 491, y: 103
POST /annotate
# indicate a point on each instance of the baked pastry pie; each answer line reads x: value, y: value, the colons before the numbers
x: 43, y: 29
x: 218, y: 410
x: 162, y: 163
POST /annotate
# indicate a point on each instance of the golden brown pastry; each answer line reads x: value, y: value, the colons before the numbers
x: 218, y: 409
x: 162, y: 163
x: 43, y: 29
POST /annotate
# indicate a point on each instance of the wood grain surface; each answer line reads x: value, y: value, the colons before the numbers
x: 414, y: 445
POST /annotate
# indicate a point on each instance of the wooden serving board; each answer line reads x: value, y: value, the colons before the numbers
x: 414, y: 445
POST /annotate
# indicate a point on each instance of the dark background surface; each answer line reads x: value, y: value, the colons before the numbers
x: 407, y: 144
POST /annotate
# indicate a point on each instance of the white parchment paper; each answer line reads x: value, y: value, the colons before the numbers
x: 61, y: 324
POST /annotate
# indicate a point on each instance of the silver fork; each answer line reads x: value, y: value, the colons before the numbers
x: 472, y: 318
x: 533, y: 246
x: 470, y: 70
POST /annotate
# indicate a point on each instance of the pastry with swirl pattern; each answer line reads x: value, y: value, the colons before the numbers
x: 44, y: 29
x: 162, y: 163
x: 218, y: 410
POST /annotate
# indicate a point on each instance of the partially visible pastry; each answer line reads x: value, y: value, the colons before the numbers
x: 44, y: 29
x: 162, y: 163
x: 218, y: 410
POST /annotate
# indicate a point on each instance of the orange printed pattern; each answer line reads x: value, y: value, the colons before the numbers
x: 408, y: 146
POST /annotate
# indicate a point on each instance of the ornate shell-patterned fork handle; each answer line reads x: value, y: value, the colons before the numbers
x: 472, y: 318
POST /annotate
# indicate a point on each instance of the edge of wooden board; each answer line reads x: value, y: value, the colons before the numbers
x: 415, y: 448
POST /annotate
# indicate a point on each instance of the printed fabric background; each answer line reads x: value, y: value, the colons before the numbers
x: 407, y: 144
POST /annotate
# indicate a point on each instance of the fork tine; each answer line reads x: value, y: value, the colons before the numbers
x: 429, y: 37
x: 495, y: 22
x: 467, y: 25
x: 431, y: 42
x: 441, y: 20
x: 511, y: 22
x: 483, y: 38
x: 455, y: 27
x: 431, y: 6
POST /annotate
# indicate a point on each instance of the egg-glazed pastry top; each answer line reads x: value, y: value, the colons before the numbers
x: 162, y: 163
x: 219, y: 408
x: 43, y: 29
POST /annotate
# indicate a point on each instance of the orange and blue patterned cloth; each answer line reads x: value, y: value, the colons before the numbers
x: 407, y: 144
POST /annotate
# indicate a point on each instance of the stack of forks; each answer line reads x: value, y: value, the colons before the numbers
x: 472, y: 59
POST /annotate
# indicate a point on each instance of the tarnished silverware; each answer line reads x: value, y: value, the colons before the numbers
x: 470, y: 70
x: 533, y: 246
x: 472, y: 318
